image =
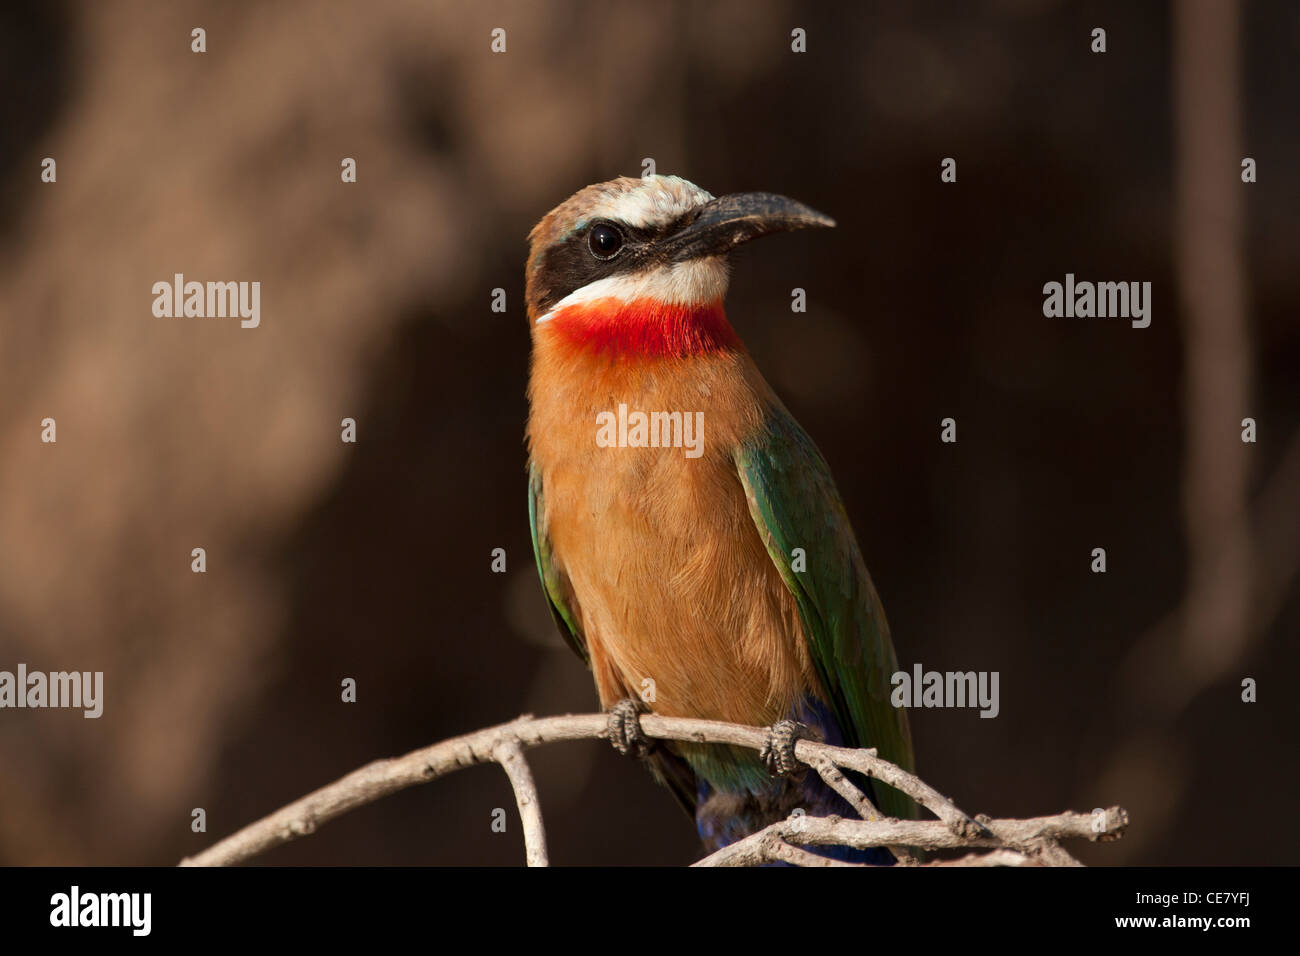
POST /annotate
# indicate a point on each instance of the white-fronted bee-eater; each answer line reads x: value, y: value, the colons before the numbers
x: 688, y: 533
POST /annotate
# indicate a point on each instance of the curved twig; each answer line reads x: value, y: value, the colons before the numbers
x: 511, y: 757
x: 1037, y: 840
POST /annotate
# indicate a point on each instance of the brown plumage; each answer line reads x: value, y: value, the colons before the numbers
x: 666, y: 566
x: 672, y: 567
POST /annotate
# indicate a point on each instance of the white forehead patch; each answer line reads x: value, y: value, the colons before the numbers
x: 656, y: 201
x: 690, y: 283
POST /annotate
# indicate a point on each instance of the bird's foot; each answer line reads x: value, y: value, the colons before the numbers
x: 778, y: 750
x: 625, y: 731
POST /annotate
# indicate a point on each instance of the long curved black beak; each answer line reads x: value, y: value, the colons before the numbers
x: 724, y: 223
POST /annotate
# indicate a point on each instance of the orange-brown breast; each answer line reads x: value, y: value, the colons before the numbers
x: 671, y: 580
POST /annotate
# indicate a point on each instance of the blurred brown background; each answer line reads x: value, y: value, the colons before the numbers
x: 371, y: 560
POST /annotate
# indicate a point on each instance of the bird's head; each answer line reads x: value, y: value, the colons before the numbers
x: 639, y: 266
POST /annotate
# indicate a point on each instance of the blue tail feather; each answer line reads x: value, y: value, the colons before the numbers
x: 726, y: 814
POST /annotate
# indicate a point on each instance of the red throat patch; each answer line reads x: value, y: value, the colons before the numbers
x: 644, y: 328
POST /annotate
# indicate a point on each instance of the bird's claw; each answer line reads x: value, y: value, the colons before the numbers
x: 625, y: 731
x: 778, y: 750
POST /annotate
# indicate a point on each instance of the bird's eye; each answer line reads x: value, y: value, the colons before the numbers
x: 604, y: 241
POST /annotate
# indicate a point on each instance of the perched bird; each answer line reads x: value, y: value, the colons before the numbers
x: 688, y: 533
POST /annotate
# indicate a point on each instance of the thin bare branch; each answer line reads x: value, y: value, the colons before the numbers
x: 1032, y: 836
x: 809, y: 751
x: 384, y: 777
x: 859, y: 801
x: 511, y: 757
x: 777, y: 850
x: 992, y: 858
x: 504, y: 744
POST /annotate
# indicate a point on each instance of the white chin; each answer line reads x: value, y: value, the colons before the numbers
x: 694, y: 282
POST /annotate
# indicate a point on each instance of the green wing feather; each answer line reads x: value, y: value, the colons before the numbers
x: 554, y: 584
x: 667, y: 766
x: 794, y: 503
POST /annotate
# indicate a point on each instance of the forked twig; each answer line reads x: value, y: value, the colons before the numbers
x: 1015, y: 842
